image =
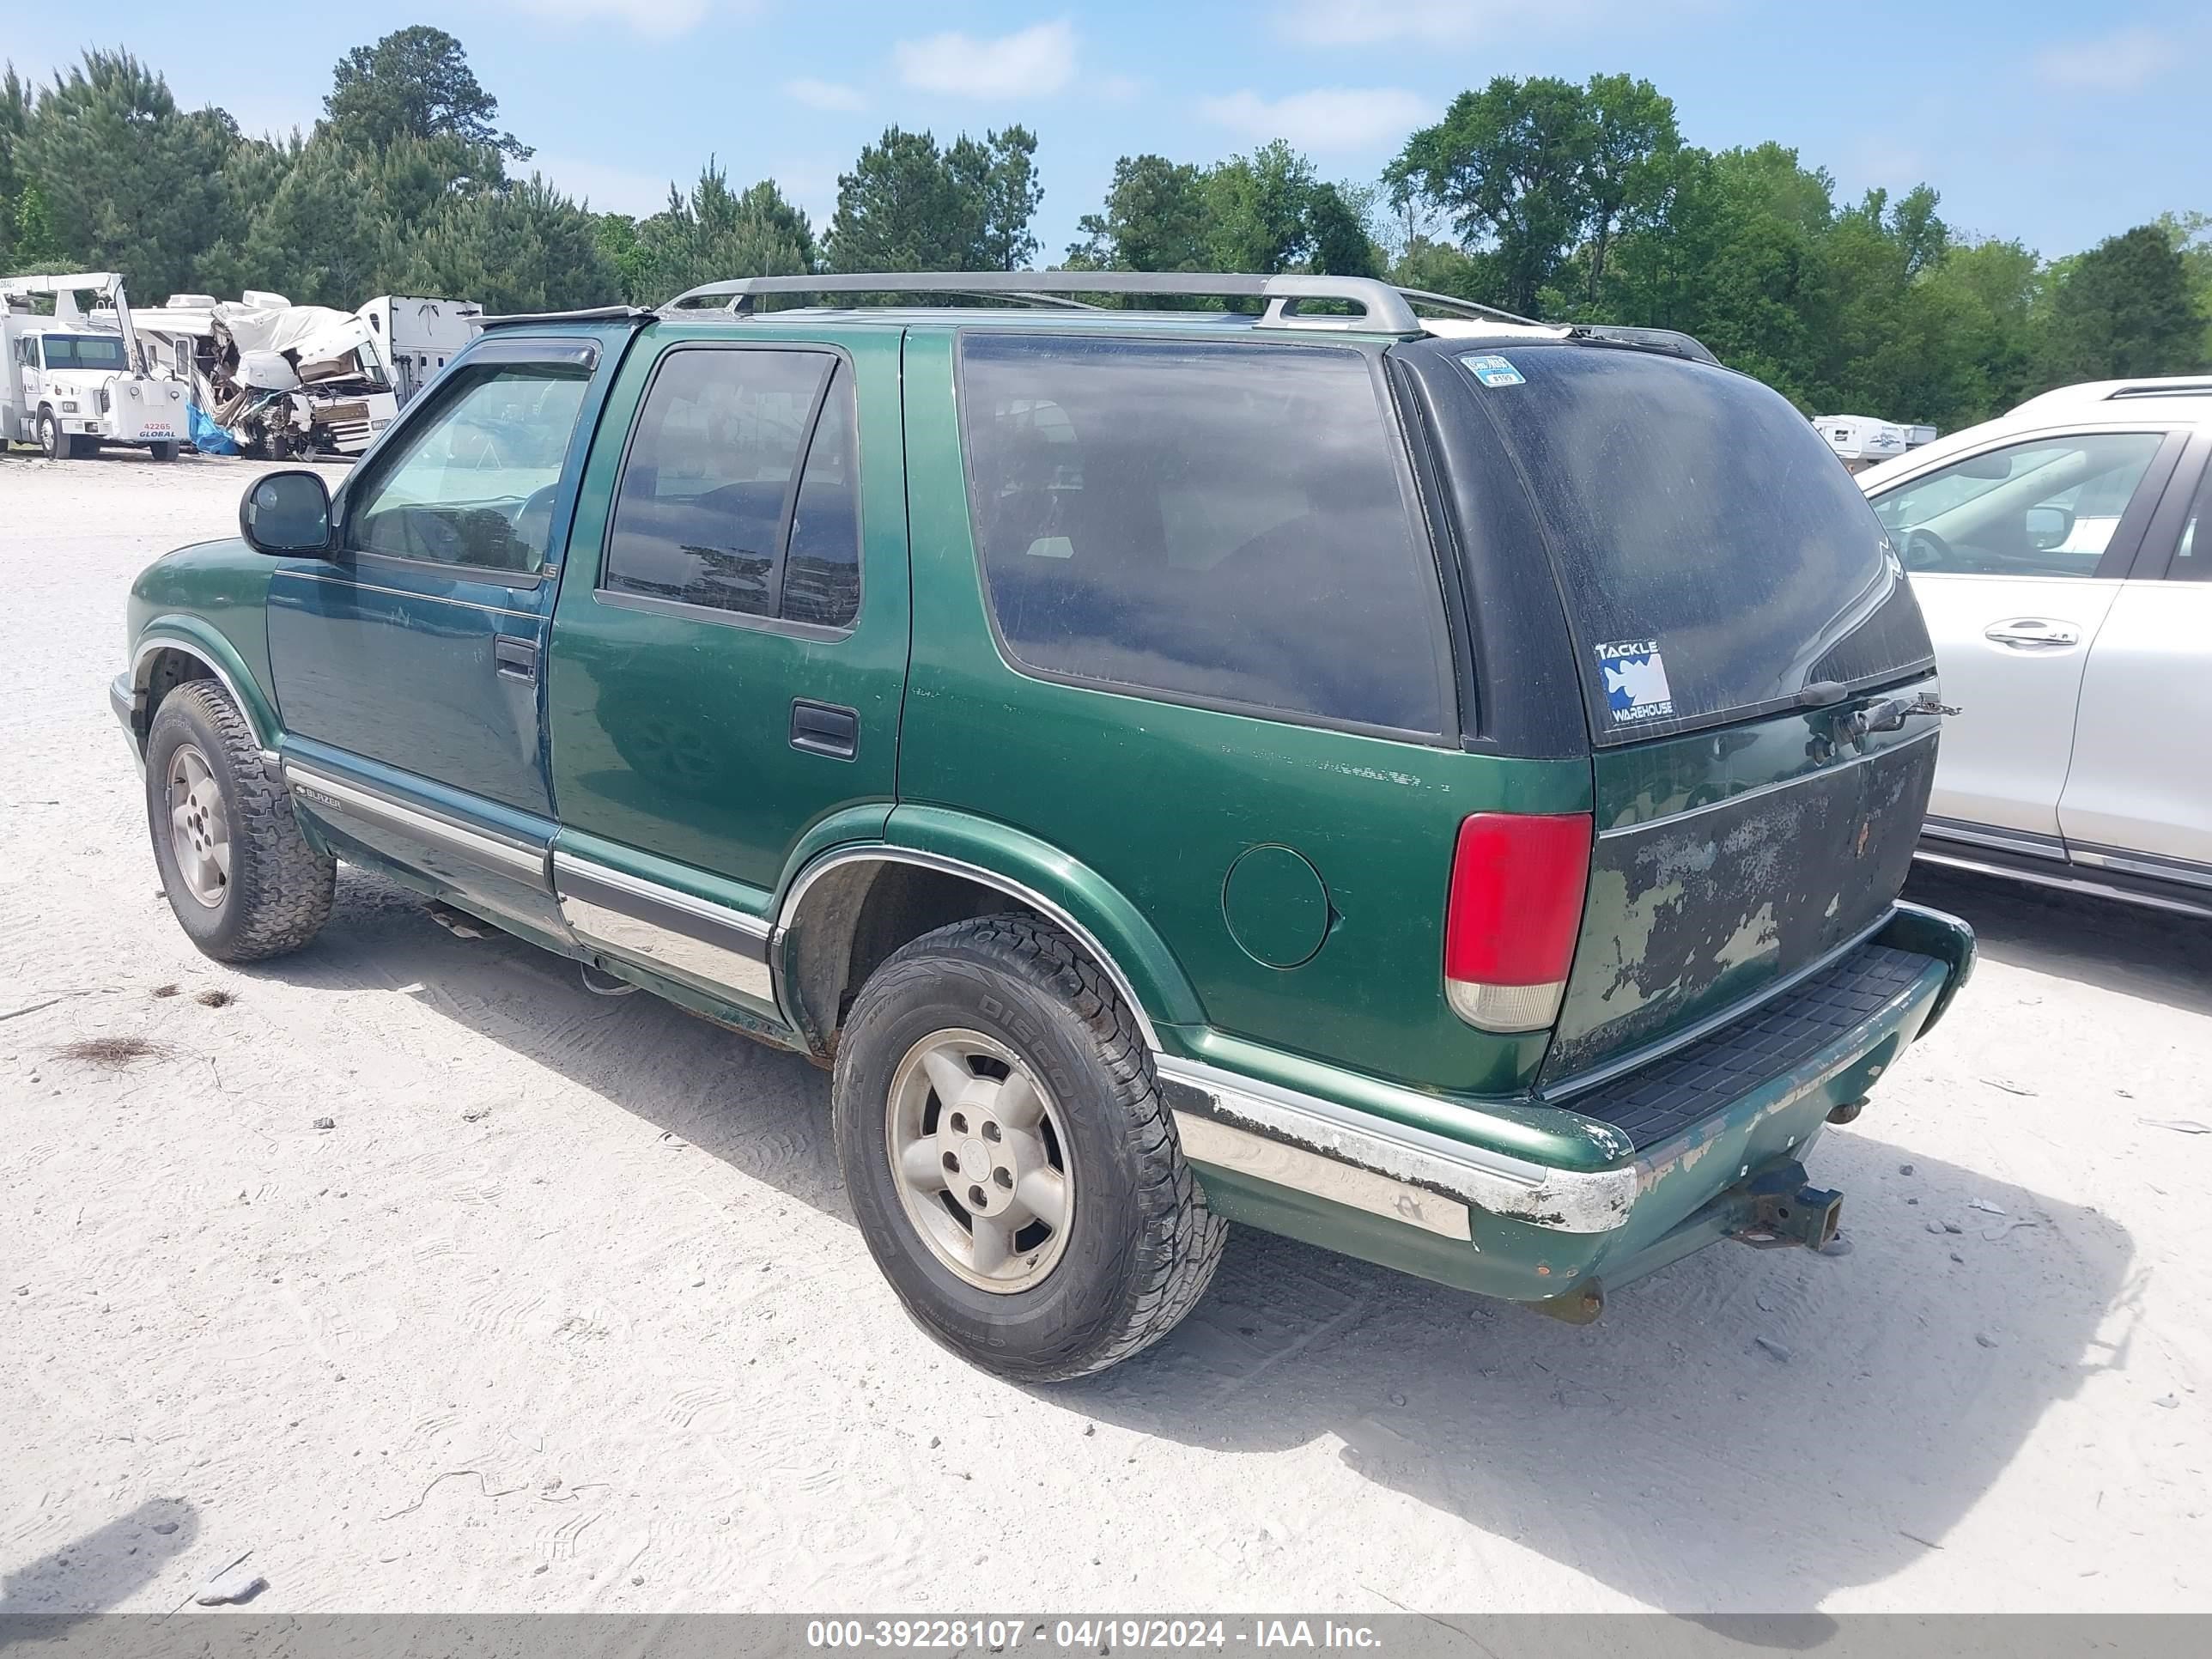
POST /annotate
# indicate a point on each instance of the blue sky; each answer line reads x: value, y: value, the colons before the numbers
x: 2058, y: 123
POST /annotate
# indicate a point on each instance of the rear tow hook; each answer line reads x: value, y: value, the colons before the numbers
x: 1786, y: 1212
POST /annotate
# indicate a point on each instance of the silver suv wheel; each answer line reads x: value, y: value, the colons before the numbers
x: 199, y: 826
x: 981, y: 1160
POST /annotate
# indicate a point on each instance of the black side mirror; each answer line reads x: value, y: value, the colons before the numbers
x: 287, y: 513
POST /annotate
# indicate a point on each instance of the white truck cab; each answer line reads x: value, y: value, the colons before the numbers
x: 70, y: 382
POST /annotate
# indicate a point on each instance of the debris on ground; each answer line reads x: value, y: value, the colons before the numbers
x: 166, y: 990
x: 235, y: 1584
x: 2009, y: 1088
x: 2180, y: 1126
x: 1773, y: 1347
x: 215, y: 998
x: 1985, y: 1206
x: 326, y: 1123
x: 113, y: 1052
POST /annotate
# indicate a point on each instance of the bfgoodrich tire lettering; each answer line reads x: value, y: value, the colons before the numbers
x: 275, y: 895
x: 1140, y: 1245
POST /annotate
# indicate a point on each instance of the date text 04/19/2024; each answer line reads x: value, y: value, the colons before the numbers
x: 1086, y: 1635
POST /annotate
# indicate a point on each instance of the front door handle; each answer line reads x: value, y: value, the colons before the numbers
x: 2033, y: 634
x: 513, y: 659
x: 823, y: 728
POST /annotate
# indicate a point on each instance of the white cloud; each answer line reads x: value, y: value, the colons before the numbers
x: 1326, y: 119
x: 1445, y: 23
x: 2120, y: 62
x: 824, y: 95
x: 1038, y: 59
x: 608, y: 189
x: 660, y: 19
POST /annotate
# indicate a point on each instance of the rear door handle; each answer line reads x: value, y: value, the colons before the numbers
x: 513, y: 659
x: 823, y: 728
x: 2032, y: 633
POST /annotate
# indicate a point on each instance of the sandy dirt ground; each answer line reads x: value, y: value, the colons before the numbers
x: 567, y: 1312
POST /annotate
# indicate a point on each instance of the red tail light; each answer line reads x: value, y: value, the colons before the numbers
x: 1514, y: 911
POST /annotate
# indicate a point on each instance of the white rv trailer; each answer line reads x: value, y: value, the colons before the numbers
x: 71, y: 381
x: 420, y: 336
x: 1861, y: 439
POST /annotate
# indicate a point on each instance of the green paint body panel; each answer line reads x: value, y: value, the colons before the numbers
x: 213, y: 595
x: 1273, y: 893
x: 670, y: 729
x: 1160, y: 800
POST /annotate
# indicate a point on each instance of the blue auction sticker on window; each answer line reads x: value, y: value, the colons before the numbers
x: 1635, y: 681
x: 1493, y: 370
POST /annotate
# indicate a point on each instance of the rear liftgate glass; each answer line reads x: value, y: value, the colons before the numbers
x: 1740, y: 624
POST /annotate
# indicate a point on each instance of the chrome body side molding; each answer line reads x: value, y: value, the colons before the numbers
x: 511, y: 857
x: 1423, y: 1170
x: 643, y: 921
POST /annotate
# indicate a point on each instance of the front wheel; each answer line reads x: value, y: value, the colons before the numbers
x: 1010, y: 1161
x: 243, y: 881
x: 57, y: 444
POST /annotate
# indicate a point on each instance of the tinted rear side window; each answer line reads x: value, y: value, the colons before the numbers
x: 1222, y: 523
x: 1714, y: 556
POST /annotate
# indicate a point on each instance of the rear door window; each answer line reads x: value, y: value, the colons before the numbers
x: 739, y: 492
x: 1714, y: 556
x: 1221, y: 523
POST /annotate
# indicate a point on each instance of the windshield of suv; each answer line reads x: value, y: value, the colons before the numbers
x: 1714, y: 556
x: 83, y: 351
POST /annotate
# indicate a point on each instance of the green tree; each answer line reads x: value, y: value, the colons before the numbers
x: 1154, y: 219
x: 129, y: 180
x: 323, y: 238
x: 1508, y: 165
x: 526, y: 248
x: 415, y: 83
x: 1265, y: 212
x: 2124, y: 309
x: 2191, y: 235
x: 909, y: 205
x: 1632, y: 139
x: 709, y: 234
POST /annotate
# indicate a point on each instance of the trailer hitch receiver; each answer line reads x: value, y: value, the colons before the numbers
x: 1786, y: 1211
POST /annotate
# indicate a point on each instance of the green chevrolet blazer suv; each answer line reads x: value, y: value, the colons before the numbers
x: 1437, y: 787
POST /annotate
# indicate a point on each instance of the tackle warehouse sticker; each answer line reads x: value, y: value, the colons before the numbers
x: 1493, y: 370
x: 1635, y: 681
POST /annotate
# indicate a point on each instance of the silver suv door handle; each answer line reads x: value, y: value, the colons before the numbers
x: 2032, y: 633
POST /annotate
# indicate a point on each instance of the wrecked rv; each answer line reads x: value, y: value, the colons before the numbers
x: 274, y: 379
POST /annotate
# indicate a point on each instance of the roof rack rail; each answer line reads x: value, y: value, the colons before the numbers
x: 1452, y: 302
x: 1385, y: 307
x: 592, y: 315
x: 2179, y: 386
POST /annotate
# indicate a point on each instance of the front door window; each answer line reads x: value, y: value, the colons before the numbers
x: 473, y: 486
x: 2046, y: 507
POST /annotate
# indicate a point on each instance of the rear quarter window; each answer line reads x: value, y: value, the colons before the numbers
x: 1714, y: 556
x: 1227, y: 524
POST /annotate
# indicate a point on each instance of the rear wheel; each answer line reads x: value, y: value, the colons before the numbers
x: 243, y: 881
x: 1010, y: 1161
x: 162, y: 452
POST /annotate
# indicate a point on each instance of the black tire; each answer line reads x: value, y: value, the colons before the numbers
x: 1141, y: 1246
x: 280, y: 887
x: 163, y: 450
x: 57, y: 445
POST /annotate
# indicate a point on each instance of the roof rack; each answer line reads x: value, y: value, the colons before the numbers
x: 1387, y: 308
x: 2173, y: 387
x: 593, y: 314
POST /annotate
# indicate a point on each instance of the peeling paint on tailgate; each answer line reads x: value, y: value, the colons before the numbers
x: 1703, y: 895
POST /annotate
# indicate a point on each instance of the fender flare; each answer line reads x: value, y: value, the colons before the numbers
x: 1074, y: 897
x: 193, y: 638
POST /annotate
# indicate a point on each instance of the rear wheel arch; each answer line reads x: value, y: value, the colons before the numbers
x: 846, y: 913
